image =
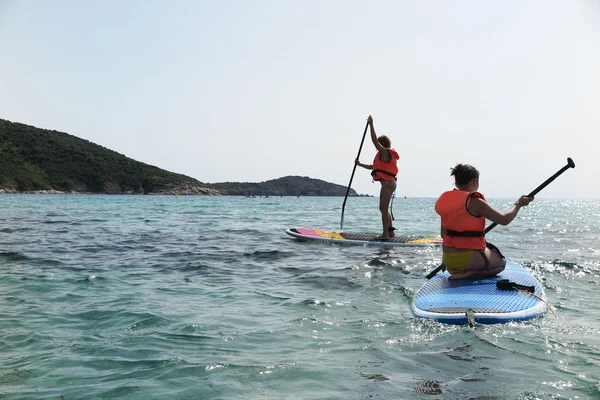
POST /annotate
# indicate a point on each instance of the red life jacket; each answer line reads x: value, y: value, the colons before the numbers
x: 463, y: 230
x: 385, y: 171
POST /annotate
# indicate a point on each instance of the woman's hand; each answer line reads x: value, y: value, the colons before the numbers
x: 523, y: 201
x: 366, y: 166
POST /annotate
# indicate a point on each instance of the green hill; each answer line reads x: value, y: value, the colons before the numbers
x: 286, y: 186
x: 34, y: 159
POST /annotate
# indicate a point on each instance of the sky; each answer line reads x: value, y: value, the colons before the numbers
x: 253, y: 90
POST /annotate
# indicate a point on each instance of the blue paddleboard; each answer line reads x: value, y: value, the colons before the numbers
x: 448, y: 301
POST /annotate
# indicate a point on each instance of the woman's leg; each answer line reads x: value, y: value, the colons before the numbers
x: 476, y: 268
x: 385, y: 195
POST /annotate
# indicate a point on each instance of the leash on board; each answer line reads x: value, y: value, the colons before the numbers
x: 505, y: 284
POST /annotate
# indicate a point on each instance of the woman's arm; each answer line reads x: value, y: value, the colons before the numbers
x: 367, y: 166
x: 378, y: 145
x: 478, y: 206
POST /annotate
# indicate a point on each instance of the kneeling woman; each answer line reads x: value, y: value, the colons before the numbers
x: 463, y: 212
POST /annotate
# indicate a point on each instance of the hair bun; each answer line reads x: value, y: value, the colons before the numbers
x: 464, y: 173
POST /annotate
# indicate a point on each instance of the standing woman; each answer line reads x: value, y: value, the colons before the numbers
x: 463, y: 212
x: 384, y: 169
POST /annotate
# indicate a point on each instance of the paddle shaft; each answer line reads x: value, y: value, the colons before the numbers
x: 570, y: 164
x: 352, y: 176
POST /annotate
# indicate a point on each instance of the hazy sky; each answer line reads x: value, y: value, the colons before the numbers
x: 252, y: 90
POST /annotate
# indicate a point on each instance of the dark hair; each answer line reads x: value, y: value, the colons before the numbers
x: 463, y: 173
x: 384, y: 141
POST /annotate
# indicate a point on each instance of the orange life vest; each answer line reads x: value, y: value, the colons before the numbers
x: 385, y: 171
x: 463, y: 230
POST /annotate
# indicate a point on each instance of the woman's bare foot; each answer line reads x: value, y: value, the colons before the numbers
x: 477, y: 274
x: 461, y: 275
x: 382, y: 237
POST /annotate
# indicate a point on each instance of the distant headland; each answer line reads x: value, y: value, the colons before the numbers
x: 35, y: 160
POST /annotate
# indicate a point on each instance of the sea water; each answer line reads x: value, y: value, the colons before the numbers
x: 164, y: 297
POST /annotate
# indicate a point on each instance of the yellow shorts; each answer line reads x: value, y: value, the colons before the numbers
x: 457, y: 262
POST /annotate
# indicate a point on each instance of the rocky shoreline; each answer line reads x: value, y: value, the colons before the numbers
x: 173, y: 192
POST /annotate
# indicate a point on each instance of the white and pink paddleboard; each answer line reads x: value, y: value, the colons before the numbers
x: 362, y: 238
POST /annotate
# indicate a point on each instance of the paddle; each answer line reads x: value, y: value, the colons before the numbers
x: 352, y: 176
x: 570, y: 164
